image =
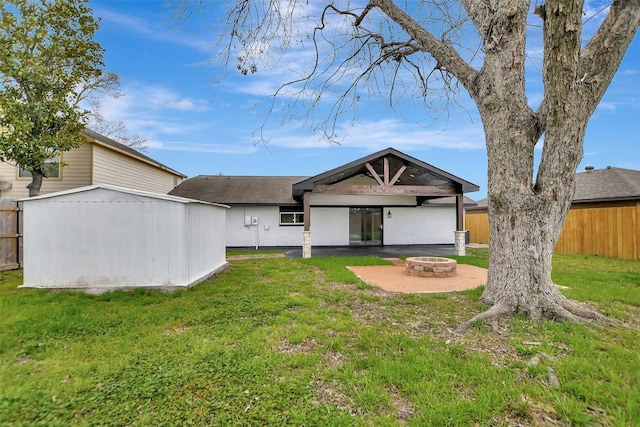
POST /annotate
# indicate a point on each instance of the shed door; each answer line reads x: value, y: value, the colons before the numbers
x: 365, y: 226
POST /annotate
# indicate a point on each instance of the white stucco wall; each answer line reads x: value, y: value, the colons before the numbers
x: 268, y: 232
x: 329, y: 226
x: 420, y: 225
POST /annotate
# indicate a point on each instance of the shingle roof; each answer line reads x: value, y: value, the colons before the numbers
x: 609, y: 183
x: 129, y: 151
x: 600, y: 185
x: 234, y: 190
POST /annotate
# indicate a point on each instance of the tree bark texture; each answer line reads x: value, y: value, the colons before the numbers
x: 37, y: 176
x: 526, y: 215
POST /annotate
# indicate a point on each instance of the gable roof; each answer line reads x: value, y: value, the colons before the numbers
x: 417, y: 173
x: 236, y: 190
x: 128, y: 151
x: 607, y: 184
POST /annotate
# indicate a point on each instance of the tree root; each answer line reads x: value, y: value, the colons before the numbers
x: 492, y: 316
x: 558, y: 311
x: 583, y: 312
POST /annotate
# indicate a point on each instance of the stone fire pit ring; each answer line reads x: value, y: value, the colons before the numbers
x: 431, y: 267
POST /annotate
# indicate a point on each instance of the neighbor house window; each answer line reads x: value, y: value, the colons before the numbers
x: 291, y: 215
x: 51, y: 168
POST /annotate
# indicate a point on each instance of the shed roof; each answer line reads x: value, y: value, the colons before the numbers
x: 239, y: 190
x: 607, y: 184
x: 128, y: 151
x: 118, y: 190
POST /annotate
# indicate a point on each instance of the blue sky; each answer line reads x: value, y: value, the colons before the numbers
x: 198, y: 124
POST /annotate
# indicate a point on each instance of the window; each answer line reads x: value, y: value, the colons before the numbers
x: 51, y: 168
x: 291, y: 215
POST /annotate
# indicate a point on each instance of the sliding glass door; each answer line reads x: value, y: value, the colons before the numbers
x: 365, y: 226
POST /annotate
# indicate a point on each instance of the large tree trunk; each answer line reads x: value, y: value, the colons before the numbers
x: 36, y: 183
x: 526, y: 215
x: 525, y: 221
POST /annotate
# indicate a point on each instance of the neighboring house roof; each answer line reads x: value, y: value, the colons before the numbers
x: 417, y: 173
x: 607, y: 184
x: 610, y: 184
x: 126, y: 150
x: 239, y: 190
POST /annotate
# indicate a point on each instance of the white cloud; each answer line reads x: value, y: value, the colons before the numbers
x: 152, y: 112
x: 191, y: 147
x: 377, y: 135
x: 606, y: 106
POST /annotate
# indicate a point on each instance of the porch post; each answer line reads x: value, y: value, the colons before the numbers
x: 460, y: 234
x: 306, y: 234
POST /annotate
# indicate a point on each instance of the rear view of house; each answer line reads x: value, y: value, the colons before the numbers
x: 386, y: 198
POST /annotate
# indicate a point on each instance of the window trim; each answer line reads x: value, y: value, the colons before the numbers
x: 23, y: 174
x: 296, y: 211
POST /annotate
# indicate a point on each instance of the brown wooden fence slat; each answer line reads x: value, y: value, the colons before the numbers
x: 10, y: 238
x: 612, y: 231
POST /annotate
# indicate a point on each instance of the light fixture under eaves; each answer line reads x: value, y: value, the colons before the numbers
x: 389, y: 215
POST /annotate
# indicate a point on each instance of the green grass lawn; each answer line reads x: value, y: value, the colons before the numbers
x: 304, y: 342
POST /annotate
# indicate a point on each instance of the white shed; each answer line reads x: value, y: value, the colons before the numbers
x: 101, y: 238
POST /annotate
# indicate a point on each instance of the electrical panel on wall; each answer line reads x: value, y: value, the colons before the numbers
x: 250, y: 220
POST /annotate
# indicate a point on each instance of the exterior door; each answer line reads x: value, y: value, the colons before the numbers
x: 365, y: 226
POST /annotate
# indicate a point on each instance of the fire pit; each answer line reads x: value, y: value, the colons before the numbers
x: 431, y: 267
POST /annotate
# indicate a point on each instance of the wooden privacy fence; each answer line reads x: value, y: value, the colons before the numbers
x: 606, y: 231
x: 10, y: 235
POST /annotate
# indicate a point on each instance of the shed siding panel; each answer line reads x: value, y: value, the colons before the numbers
x: 103, y: 243
x: 421, y: 225
x: 75, y: 173
x: 111, y: 167
x: 205, y: 232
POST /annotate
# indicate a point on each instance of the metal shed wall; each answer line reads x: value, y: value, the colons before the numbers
x: 205, y: 246
x: 118, y: 238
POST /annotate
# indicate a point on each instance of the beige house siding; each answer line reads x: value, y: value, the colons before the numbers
x: 75, y: 172
x: 111, y: 167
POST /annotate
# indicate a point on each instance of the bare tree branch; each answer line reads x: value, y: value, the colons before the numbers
x: 606, y: 47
